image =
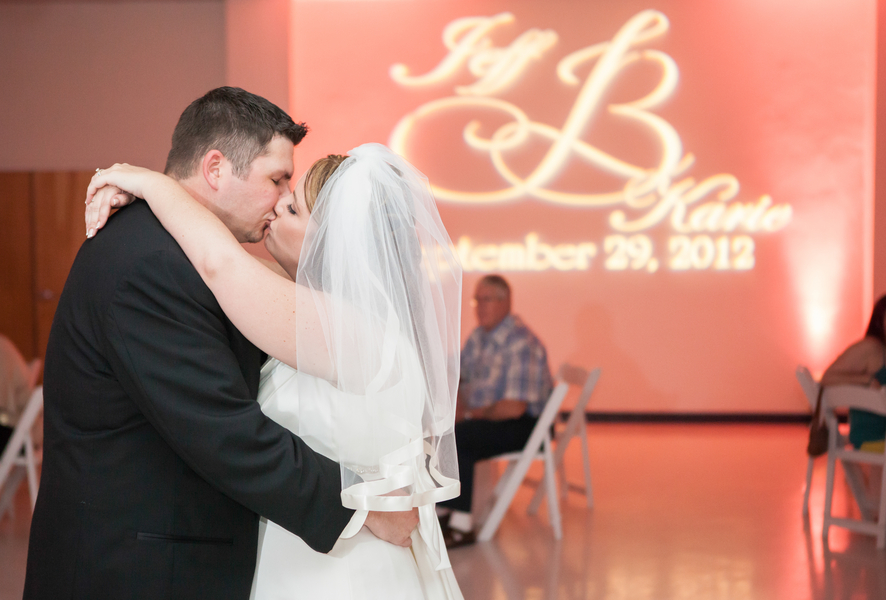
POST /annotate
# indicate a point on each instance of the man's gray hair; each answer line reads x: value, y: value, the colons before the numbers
x: 498, y: 282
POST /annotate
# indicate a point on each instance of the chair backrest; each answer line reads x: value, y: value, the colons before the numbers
x: 854, y: 396
x: 580, y: 377
x: 809, y: 385
x: 21, y: 433
x: 571, y: 374
x: 587, y: 382
x: 34, y: 368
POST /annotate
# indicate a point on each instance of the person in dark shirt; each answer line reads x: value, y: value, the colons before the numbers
x: 15, y: 388
x: 864, y: 363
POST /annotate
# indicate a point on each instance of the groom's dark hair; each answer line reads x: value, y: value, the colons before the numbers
x: 233, y: 121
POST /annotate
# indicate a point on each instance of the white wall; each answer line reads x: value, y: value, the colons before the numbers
x: 89, y: 84
x: 257, y: 38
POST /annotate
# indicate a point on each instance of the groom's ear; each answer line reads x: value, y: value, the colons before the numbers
x: 212, y: 166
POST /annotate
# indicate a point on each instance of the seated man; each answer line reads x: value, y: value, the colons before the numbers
x: 505, y: 382
x: 14, y: 388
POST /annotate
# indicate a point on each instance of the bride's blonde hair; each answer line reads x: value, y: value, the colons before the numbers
x: 318, y: 175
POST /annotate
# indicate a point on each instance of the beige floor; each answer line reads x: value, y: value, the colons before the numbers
x: 682, y: 512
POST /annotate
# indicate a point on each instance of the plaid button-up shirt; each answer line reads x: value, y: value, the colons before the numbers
x: 508, y: 362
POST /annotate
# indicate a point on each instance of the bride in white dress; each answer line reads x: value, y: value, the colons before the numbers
x: 367, y: 342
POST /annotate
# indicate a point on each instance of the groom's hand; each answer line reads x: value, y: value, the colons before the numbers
x: 393, y: 527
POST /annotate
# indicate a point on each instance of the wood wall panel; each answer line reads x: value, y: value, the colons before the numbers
x: 58, y: 233
x: 16, y: 265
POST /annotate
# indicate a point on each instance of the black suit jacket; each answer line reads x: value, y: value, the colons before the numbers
x: 157, y: 457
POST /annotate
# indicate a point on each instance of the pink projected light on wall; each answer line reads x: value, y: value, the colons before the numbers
x: 680, y: 196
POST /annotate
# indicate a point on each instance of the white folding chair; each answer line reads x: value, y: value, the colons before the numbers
x: 34, y: 373
x: 20, y: 458
x: 538, y: 447
x: 859, y: 398
x: 852, y: 473
x: 810, y: 390
x: 518, y: 464
x: 576, y: 424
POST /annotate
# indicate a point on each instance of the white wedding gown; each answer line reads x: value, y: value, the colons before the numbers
x: 361, y: 567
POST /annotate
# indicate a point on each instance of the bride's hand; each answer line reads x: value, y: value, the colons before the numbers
x: 99, y: 207
x: 135, y: 181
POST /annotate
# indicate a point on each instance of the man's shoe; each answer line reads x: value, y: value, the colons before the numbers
x: 455, y: 538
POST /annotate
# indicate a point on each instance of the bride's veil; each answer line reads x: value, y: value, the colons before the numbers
x: 383, y: 330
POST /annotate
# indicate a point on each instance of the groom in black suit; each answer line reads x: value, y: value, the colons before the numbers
x: 157, y: 458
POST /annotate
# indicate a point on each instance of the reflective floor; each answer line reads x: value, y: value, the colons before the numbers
x: 681, y: 512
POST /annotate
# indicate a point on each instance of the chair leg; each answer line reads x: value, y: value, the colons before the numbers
x: 7, y: 497
x: 809, y: 467
x: 30, y: 465
x: 492, y: 500
x: 537, y: 496
x: 553, y: 492
x: 881, y: 517
x: 828, y: 496
x: 499, y: 485
x: 586, y: 458
x: 540, y: 491
x: 561, y: 468
x: 855, y: 479
x: 563, y: 487
x: 508, y: 486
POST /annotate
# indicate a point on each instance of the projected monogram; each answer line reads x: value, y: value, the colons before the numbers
x: 650, y: 196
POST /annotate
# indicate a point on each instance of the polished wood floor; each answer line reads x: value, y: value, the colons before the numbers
x: 682, y: 512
